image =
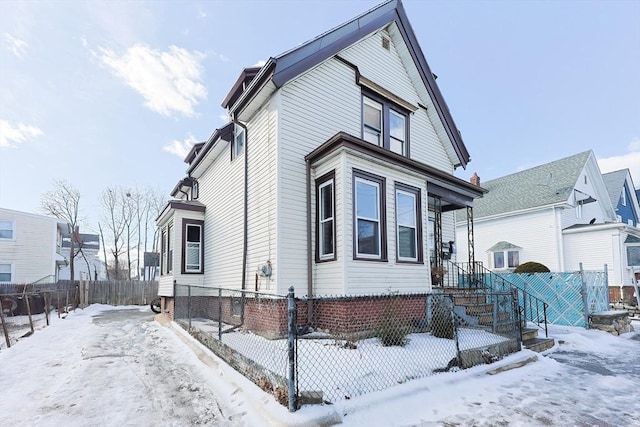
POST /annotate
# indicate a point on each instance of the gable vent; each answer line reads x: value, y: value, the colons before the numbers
x: 386, y: 43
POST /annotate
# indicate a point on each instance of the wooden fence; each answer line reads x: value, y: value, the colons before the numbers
x: 114, y: 292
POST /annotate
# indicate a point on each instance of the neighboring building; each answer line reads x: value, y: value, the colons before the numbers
x: 335, y: 175
x: 30, y: 247
x: 623, y: 196
x: 559, y: 214
x: 87, y: 262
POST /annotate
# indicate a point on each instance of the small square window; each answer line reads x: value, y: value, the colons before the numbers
x: 7, y: 229
x: 5, y: 273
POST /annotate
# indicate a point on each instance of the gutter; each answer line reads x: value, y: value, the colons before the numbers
x: 245, y: 231
x: 309, y: 261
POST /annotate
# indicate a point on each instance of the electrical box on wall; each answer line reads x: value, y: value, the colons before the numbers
x: 265, y: 269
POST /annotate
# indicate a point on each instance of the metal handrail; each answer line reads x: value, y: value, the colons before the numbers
x: 475, y: 275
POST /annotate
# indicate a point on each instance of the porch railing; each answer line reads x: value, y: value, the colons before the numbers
x: 476, y: 276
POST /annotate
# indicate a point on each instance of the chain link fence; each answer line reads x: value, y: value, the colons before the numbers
x: 27, y: 308
x: 326, y: 349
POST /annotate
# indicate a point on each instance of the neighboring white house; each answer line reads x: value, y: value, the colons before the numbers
x: 559, y: 214
x: 30, y: 247
x: 335, y: 174
x: 87, y: 262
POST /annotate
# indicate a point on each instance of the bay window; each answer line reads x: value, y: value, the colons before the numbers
x: 325, y: 229
x: 192, y: 247
x: 369, y: 216
x: 408, y: 223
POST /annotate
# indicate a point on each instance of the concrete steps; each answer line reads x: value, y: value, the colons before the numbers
x: 531, y: 341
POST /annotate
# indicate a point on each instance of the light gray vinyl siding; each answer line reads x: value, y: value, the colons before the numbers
x: 221, y: 191
x: 375, y: 277
x: 537, y: 233
x: 328, y: 276
x: 593, y: 250
x: 314, y: 107
x: 262, y: 201
x: 32, y: 250
x: 387, y: 69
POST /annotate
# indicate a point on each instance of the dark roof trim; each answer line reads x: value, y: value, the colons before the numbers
x: 185, y: 182
x: 193, y: 152
x: 237, y: 104
x: 223, y: 133
x: 296, y: 61
x: 632, y: 239
x: 432, y: 87
x: 184, y: 205
x: 437, y: 179
x: 450, y: 196
x: 245, y: 77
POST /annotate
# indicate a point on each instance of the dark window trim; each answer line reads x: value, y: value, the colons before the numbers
x: 330, y: 176
x: 171, y: 246
x: 419, y: 242
x: 235, y: 155
x: 387, y: 104
x: 163, y: 235
x: 185, y: 223
x: 381, y: 181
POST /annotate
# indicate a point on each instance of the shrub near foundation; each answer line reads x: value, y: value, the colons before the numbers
x: 390, y: 332
x: 531, y: 267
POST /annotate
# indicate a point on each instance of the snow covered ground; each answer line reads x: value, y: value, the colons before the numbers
x: 116, y: 366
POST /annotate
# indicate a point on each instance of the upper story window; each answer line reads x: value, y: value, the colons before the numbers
x: 579, y: 209
x: 7, y: 229
x: 369, y: 216
x: 193, y: 238
x: 633, y: 255
x: 326, y: 229
x: 408, y: 221
x: 195, y: 190
x: 506, y: 259
x: 6, y: 273
x: 239, y: 141
x: 385, y: 124
x: 167, y: 250
x: 623, y: 197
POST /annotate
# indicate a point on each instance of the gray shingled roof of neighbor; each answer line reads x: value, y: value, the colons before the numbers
x: 503, y: 246
x: 542, y: 185
x: 614, y: 181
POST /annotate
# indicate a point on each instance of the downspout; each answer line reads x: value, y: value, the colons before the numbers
x: 246, y: 202
x: 309, y: 262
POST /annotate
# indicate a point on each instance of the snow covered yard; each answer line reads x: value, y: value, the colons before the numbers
x: 113, y: 366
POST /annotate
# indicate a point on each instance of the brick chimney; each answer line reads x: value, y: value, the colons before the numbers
x: 475, y: 179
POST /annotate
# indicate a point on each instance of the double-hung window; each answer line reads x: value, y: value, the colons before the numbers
x: 326, y: 228
x: 5, y: 273
x: 192, y: 257
x: 369, y: 216
x: 239, y: 140
x: 167, y: 250
x: 408, y: 224
x: 385, y: 124
x: 6, y: 229
x: 512, y: 259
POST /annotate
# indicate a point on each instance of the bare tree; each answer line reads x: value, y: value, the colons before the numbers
x: 63, y: 202
x: 115, y: 219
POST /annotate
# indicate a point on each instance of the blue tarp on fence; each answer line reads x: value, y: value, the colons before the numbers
x: 571, y: 297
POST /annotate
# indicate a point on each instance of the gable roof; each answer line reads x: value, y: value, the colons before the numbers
x: 502, y: 246
x: 614, y: 181
x: 283, y: 68
x: 542, y: 185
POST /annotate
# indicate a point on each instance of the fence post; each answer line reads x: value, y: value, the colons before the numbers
x: 4, y: 325
x: 220, y: 314
x: 291, y: 321
x: 189, y: 305
x: 606, y: 284
x: 494, y: 297
x: 524, y: 302
x: 585, y: 300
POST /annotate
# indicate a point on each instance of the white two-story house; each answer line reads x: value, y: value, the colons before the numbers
x: 31, y: 247
x: 334, y: 174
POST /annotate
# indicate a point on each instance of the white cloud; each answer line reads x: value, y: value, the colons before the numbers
x: 260, y: 63
x: 84, y: 42
x: 170, y: 81
x: 181, y: 148
x: 11, y: 136
x: 16, y: 46
x: 225, y: 118
x: 630, y: 160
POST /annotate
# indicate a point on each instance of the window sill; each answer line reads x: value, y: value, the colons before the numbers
x: 370, y: 259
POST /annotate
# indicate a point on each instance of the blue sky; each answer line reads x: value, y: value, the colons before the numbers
x: 104, y: 94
